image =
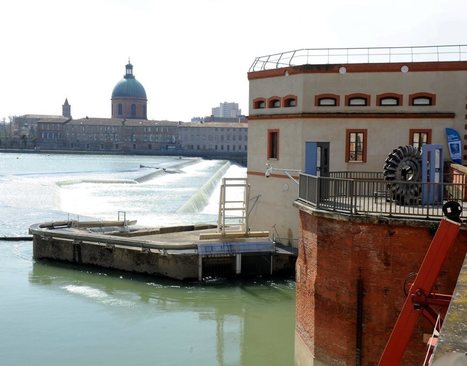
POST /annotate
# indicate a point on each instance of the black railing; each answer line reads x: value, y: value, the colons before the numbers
x: 379, y: 197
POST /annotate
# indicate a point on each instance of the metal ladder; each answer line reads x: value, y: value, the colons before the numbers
x: 231, y: 208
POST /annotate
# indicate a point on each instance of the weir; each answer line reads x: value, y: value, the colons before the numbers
x: 201, y: 198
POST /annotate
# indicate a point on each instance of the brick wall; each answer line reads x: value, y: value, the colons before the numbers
x: 333, y: 254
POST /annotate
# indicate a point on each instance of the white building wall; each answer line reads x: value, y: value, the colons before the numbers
x: 303, y: 122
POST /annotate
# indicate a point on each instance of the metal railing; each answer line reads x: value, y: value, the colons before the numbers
x: 379, y: 197
x: 326, y: 56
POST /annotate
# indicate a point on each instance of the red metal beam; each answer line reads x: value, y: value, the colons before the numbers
x: 429, y: 270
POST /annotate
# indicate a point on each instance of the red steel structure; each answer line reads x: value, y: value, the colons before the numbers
x: 420, y: 299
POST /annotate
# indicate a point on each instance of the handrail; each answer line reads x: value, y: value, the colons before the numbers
x: 320, y: 56
x: 370, y: 196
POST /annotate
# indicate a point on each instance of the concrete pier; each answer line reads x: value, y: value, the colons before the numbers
x: 180, y: 252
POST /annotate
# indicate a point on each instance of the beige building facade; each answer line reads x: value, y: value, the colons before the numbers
x: 362, y: 110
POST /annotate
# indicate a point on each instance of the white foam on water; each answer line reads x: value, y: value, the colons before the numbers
x: 98, y: 295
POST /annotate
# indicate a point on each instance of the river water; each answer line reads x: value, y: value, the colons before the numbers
x: 55, y: 314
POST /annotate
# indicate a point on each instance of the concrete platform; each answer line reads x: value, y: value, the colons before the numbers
x: 179, y: 252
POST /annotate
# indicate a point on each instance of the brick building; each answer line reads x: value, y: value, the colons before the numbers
x: 129, y: 131
x: 339, y: 113
x: 141, y: 136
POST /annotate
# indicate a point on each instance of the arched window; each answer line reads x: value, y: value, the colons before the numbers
x: 357, y: 100
x: 274, y: 102
x: 327, y: 100
x: 389, y: 99
x: 422, y: 99
x: 290, y: 101
x: 259, y: 103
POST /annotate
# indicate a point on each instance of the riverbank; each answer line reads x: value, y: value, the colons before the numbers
x: 235, y: 157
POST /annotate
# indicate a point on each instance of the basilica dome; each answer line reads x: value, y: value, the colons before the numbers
x: 129, y: 97
x: 129, y: 86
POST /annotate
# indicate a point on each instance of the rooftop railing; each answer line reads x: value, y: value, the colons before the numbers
x: 365, y: 195
x: 326, y: 56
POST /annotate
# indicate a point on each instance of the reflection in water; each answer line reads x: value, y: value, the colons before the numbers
x: 230, y: 315
x: 58, y: 315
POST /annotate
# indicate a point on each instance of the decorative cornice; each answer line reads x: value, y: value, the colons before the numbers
x: 364, y: 67
x: 347, y: 115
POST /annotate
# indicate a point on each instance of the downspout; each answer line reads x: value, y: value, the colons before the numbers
x: 359, y: 323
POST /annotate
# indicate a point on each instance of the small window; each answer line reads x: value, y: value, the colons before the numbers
x: 356, y: 146
x: 422, y: 99
x: 418, y: 138
x: 327, y: 102
x: 133, y: 110
x: 274, y: 103
x: 360, y: 102
x: 273, y: 144
x: 120, y: 109
x: 290, y: 101
x: 259, y: 103
x: 389, y: 100
x: 357, y: 100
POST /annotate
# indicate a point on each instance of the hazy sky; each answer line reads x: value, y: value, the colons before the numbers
x: 190, y: 55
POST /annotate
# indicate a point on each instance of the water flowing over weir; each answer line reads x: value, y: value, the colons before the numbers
x: 201, y: 198
x: 65, y: 308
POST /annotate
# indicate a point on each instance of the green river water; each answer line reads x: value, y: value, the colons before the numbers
x: 56, y: 314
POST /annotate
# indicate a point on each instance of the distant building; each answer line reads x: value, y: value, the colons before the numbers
x: 214, y: 140
x: 228, y: 110
x: 66, y: 109
x: 129, y: 130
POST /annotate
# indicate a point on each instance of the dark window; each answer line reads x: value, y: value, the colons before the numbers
x: 273, y: 144
x: 120, y: 109
x: 274, y: 103
x: 133, y: 110
x: 259, y: 104
x: 290, y: 102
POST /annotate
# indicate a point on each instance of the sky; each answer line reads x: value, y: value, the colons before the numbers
x: 190, y: 55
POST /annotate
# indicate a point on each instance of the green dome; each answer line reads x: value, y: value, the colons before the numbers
x: 129, y: 87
